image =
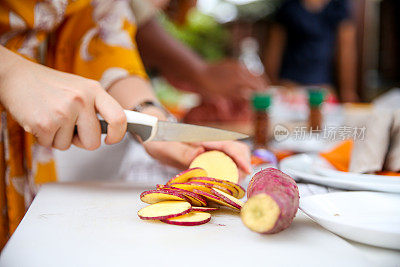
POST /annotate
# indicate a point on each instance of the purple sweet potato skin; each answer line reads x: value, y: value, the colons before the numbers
x: 280, y: 187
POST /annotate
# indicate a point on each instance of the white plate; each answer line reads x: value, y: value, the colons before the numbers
x: 308, y: 145
x: 366, y: 217
x: 301, y: 168
x: 323, y: 167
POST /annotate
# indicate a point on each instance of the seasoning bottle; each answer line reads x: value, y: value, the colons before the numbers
x: 315, y: 100
x: 261, y: 104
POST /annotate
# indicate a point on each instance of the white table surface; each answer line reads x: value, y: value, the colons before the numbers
x: 95, y: 224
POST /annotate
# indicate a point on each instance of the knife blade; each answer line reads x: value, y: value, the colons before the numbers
x: 149, y: 128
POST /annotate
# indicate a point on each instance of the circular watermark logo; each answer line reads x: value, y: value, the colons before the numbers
x: 281, y: 133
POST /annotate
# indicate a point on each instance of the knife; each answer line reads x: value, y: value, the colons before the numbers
x: 149, y: 128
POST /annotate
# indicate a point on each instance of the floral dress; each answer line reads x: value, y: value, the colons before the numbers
x: 94, y: 39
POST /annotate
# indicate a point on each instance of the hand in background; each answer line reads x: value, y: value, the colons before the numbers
x: 180, y: 155
x: 231, y: 79
x: 228, y: 79
x: 49, y: 103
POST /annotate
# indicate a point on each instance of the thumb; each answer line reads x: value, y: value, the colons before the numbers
x: 178, y: 155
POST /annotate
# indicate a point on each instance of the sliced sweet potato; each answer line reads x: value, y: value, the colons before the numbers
x: 228, y: 198
x: 186, y: 175
x: 241, y: 191
x: 164, y: 210
x: 215, y: 199
x: 194, y: 199
x: 217, y: 165
x: 217, y: 183
x: 206, y: 209
x: 154, y: 196
x: 210, y: 185
x: 191, y: 186
x: 191, y: 219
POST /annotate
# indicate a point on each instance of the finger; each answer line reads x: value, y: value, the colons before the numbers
x: 63, y: 137
x: 114, y: 115
x: 175, y: 154
x: 238, y: 151
x: 45, y: 133
x: 89, y: 132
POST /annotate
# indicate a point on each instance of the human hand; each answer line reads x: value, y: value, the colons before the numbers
x: 180, y: 155
x: 220, y: 109
x: 49, y: 103
x: 230, y: 79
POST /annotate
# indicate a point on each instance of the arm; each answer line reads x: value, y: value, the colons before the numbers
x: 274, y: 52
x: 49, y: 103
x: 182, y: 66
x: 132, y: 91
x: 347, y: 61
x: 161, y: 51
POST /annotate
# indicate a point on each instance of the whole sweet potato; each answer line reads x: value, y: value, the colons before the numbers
x: 273, y: 200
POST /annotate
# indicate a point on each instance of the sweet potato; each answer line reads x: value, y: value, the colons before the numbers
x: 273, y: 200
x: 204, y: 209
x: 164, y: 210
x: 217, y: 165
x: 191, y: 219
x: 154, y: 196
x: 217, y: 183
x: 186, y: 175
x: 191, y: 187
x: 228, y: 198
x: 216, y: 199
x: 210, y: 186
x: 193, y: 198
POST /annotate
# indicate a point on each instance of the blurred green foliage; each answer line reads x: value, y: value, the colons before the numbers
x: 202, y: 33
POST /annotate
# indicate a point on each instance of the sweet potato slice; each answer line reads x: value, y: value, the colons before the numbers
x: 217, y: 165
x: 194, y: 199
x: 228, y: 198
x: 191, y: 219
x: 191, y: 186
x: 154, y: 196
x: 186, y: 175
x: 164, y: 210
x: 210, y: 185
x: 216, y: 183
x: 241, y: 191
x: 206, y: 209
x: 215, y: 199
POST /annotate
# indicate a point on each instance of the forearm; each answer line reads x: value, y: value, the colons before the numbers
x: 161, y: 51
x: 347, y: 61
x: 132, y: 91
x: 274, y: 52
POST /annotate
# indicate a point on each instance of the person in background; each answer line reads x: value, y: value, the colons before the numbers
x: 92, y: 65
x: 224, y: 86
x: 313, y: 42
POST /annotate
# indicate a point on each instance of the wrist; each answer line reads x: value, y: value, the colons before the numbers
x: 199, y: 75
x: 155, y: 111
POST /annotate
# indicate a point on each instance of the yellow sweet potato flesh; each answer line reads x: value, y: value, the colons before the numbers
x: 164, y: 210
x: 260, y: 213
x: 191, y: 218
x: 217, y: 165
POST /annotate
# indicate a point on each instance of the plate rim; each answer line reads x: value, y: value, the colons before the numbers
x: 338, y: 219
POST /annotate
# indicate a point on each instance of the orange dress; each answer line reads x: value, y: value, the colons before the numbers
x: 94, y: 39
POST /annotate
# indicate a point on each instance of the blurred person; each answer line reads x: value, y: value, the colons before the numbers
x: 306, y: 41
x: 224, y: 86
x: 90, y: 53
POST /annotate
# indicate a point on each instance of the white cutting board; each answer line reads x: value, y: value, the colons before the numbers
x: 97, y: 225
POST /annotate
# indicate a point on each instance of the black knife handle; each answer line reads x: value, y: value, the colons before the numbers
x: 103, y: 126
